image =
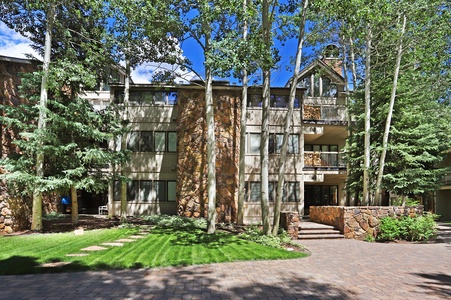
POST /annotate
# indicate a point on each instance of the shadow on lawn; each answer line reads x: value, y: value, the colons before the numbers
x: 206, y: 282
x: 20, y: 265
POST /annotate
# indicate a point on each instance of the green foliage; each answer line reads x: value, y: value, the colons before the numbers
x: 370, y: 238
x: 175, y: 221
x: 418, y: 229
x: 53, y: 216
x: 253, y: 233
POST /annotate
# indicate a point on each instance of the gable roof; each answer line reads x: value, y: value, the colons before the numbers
x: 320, y: 64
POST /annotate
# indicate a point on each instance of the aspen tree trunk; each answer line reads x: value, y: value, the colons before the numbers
x: 264, y: 143
x: 124, y: 142
x: 367, y: 138
x: 211, y: 141
x: 352, y: 200
x: 74, y: 204
x: 286, y: 132
x: 36, y: 219
x: 378, y: 196
x: 242, y: 166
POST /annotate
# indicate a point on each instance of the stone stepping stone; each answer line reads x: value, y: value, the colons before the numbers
x: 136, y: 237
x: 94, y: 248
x: 55, y: 264
x: 144, y: 233
x: 113, y: 244
x: 124, y: 240
x: 77, y: 254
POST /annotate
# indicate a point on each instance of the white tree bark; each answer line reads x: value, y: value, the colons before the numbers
x: 264, y: 143
x: 367, y: 138
x: 124, y: 141
x: 36, y: 219
x: 242, y: 165
x: 288, y: 117
x: 378, y: 196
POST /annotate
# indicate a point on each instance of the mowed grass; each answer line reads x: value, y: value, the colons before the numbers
x: 161, y: 247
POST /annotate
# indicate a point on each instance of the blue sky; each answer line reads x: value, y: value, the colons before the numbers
x: 14, y: 45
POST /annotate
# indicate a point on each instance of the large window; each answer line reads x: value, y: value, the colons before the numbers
x: 275, y: 143
x: 147, y: 97
x: 321, y: 87
x: 152, y: 141
x: 291, y: 191
x: 147, y: 190
x: 255, y: 100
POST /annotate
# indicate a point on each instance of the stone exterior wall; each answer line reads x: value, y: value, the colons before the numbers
x: 356, y: 222
x: 289, y: 221
x: 192, y: 148
x: 14, y: 213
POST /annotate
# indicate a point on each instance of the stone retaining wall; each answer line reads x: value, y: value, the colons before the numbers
x: 356, y: 222
x: 289, y: 221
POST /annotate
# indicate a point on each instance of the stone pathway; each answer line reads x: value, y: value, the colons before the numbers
x: 104, y: 246
x: 336, y: 269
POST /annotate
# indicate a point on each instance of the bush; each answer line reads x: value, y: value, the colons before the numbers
x: 254, y: 234
x: 416, y: 229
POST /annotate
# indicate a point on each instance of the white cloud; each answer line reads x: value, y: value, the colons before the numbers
x: 13, y: 44
x: 144, y: 73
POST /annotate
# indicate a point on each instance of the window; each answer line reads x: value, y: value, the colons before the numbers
x: 160, y: 141
x: 147, y: 97
x: 321, y: 87
x: 172, y: 191
x: 172, y: 141
x: 291, y: 191
x: 150, y: 141
x: 147, y: 190
x: 276, y: 140
x: 255, y: 100
x: 254, y: 143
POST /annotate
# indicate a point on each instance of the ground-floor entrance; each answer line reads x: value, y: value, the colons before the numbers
x: 320, y: 195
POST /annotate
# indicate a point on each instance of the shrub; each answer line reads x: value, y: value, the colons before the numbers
x: 254, y: 234
x: 419, y: 228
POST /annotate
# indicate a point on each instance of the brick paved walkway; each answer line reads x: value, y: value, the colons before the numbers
x: 337, y: 269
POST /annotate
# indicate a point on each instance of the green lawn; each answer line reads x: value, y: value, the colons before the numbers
x: 162, y: 247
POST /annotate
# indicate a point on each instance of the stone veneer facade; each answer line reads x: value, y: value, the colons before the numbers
x: 356, y: 222
x: 14, y: 213
x: 192, y: 149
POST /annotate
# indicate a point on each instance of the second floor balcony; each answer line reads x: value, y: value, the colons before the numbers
x: 326, y: 160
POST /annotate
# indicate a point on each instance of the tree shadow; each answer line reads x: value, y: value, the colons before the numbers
x: 436, y: 282
x: 217, y: 281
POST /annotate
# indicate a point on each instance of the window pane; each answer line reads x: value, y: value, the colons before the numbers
x: 145, y: 141
x: 291, y: 192
x: 172, y: 98
x: 147, y: 97
x: 254, y: 192
x: 308, y: 147
x: 271, y: 146
x: 325, y: 148
x: 117, y: 190
x: 333, y: 148
x: 159, y: 98
x: 133, y: 141
x: 255, y: 100
x: 279, y: 141
x: 316, y: 87
x: 306, y: 83
x: 172, y: 141
x: 293, y: 144
x: 272, y: 190
x: 132, y: 190
x: 172, y: 191
x: 316, y: 148
x: 160, y: 190
x: 254, y: 143
x: 160, y: 141
x: 145, y: 192
x: 135, y: 96
x: 279, y: 101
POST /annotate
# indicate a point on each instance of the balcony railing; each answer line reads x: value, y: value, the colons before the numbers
x: 324, y: 112
x: 313, y: 159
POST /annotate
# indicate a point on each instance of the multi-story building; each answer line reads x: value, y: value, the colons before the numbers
x: 167, y: 138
